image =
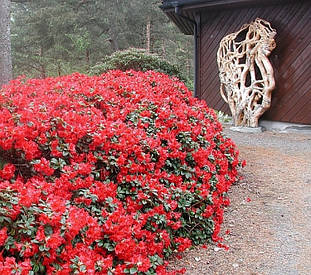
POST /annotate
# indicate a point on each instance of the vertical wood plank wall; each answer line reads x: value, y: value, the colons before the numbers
x: 291, y: 59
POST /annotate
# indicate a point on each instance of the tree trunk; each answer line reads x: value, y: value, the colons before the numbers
x: 87, y: 55
x: 114, y: 39
x: 59, y: 69
x: 5, y: 43
x: 148, y: 35
x: 163, y: 49
x: 42, y: 66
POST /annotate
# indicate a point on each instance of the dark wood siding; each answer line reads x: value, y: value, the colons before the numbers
x: 291, y: 100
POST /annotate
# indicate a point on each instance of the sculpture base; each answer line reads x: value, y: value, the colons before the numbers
x: 243, y: 129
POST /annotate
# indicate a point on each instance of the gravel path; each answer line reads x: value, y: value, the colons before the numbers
x: 270, y: 214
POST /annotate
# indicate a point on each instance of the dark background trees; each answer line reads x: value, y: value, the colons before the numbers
x: 54, y: 37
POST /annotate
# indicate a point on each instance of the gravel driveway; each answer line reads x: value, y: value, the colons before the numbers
x: 269, y: 218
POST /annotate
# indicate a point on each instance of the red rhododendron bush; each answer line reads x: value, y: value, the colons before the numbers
x: 108, y: 174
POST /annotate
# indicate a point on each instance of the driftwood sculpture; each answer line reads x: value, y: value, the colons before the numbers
x: 246, y: 75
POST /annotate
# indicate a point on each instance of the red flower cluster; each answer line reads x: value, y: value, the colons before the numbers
x: 108, y: 174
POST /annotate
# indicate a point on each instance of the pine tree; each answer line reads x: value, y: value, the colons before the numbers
x: 55, y: 37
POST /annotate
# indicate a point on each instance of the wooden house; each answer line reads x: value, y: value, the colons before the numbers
x: 210, y: 20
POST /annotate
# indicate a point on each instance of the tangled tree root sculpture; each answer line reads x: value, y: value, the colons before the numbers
x: 246, y: 75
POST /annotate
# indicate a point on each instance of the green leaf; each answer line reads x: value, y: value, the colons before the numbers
x: 36, y: 268
x: 48, y: 230
x: 133, y: 270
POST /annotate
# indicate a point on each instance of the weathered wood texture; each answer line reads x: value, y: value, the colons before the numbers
x: 245, y: 72
x: 291, y: 59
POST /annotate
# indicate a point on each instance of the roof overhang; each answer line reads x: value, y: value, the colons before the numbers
x: 183, y: 12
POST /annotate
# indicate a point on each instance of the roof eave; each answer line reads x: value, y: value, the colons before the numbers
x: 198, y: 4
x: 188, y: 8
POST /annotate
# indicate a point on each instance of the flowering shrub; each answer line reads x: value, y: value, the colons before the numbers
x: 108, y: 174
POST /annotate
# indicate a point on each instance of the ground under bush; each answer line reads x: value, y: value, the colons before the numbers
x: 108, y: 174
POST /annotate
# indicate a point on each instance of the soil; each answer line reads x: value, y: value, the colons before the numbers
x: 270, y: 213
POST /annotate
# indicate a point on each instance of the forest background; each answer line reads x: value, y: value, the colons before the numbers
x: 54, y: 37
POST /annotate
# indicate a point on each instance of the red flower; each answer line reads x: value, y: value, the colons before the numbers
x: 3, y: 236
x: 40, y: 236
x: 8, y: 171
x: 125, y: 249
x: 183, y: 243
x: 44, y: 167
x: 209, y: 211
x: 54, y: 241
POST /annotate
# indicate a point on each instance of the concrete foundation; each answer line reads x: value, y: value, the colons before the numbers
x: 284, y: 127
x: 247, y: 129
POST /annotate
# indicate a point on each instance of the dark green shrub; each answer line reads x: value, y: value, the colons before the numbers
x: 138, y: 60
